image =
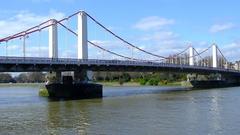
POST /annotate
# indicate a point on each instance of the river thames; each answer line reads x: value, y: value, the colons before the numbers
x: 123, y: 111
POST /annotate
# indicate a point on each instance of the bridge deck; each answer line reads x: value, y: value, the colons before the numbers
x: 21, y: 64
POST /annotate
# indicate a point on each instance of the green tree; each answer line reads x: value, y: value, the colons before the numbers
x: 31, y: 77
x: 6, y: 78
x: 22, y: 78
x: 143, y: 81
x: 36, y: 77
x: 153, y: 81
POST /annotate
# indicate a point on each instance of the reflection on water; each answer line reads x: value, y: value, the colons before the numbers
x: 71, y: 116
x: 123, y: 110
x: 75, y: 119
x: 215, y: 112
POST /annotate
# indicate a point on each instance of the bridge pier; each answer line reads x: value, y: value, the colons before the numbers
x: 80, y: 76
x: 58, y: 76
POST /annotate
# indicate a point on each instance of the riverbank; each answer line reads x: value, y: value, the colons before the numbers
x: 183, y: 83
x: 21, y: 84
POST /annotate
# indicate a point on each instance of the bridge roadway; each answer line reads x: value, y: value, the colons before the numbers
x: 31, y: 64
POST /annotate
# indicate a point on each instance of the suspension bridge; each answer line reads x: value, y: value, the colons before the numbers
x: 189, y: 60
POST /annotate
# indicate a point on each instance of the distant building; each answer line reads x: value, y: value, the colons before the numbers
x: 237, y: 65
x: 229, y: 65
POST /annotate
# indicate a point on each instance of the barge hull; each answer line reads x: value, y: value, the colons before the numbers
x: 74, y: 91
x: 213, y: 84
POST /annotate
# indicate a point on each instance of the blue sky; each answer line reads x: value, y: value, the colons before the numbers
x: 160, y: 26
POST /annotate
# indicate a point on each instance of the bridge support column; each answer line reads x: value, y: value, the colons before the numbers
x: 191, y: 56
x: 58, y: 76
x: 53, y: 39
x: 83, y: 42
x: 82, y: 36
x: 214, y: 56
x: 80, y: 76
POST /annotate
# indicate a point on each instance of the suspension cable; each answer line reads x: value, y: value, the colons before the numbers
x: 182, y: 51
x: 21, y: 34
x: 222, y: 54
x: 39, y: 28
x: 98, y: 45
x: 123, y: 40
x: 200, y: 55
x: 35, y: 28
x: 126, y: 57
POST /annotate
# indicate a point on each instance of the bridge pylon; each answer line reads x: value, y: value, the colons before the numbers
x: 53, y: 45
x: 191, y: 56
x: 214, y: 56
x: 82, y: 45
x: 82, y: 40
x: 53, y: 39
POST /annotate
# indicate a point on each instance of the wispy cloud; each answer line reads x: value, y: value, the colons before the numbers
x: 221, y: 27
x: 160, y: 36
x: 24, y: 20
x: 157, y: 37
x: 153, y: 22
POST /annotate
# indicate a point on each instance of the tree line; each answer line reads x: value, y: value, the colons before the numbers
x: 31, y: 77
x: 144, y: 78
